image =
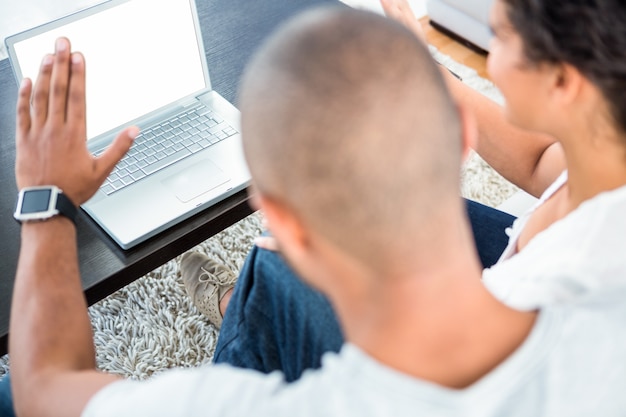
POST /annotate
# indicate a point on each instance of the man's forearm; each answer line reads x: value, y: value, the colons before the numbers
x: 51, y: 341
x: 50, y: 327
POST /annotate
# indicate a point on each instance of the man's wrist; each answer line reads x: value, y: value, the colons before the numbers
x: 53, y: 223
x: 41, y: 203
x: 50, y: 236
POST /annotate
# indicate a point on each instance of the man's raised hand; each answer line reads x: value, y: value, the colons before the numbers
x: 51, y: 146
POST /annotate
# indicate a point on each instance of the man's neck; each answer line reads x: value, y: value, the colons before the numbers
x: 440, y: 325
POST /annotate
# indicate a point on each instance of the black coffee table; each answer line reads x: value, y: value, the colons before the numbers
x: 232, y: 30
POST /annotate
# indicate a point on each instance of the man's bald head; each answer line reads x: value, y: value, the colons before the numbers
x: 346, y: 121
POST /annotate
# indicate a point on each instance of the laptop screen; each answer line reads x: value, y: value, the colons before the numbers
x: 141, y: 56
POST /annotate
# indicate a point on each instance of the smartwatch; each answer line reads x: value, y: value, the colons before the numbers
x: 42, y: 203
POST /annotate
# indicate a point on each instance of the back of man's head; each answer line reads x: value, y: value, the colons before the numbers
x: 346, y: 121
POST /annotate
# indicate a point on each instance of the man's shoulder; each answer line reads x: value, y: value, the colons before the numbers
x: 573, y: 349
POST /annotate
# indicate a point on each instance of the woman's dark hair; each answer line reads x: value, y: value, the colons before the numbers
x: 587, y: 34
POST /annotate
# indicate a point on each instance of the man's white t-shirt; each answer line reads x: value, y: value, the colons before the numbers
x: 572, y: 364
x: 572, y: 258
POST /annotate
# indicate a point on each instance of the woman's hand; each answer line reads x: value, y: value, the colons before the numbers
x: 400, y: 10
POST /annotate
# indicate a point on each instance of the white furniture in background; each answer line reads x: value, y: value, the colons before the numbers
x: 418, y: 6
x: 518, y: 203
x: 468, y: 19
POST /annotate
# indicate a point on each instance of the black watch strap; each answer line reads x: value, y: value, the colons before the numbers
x: 66, y: 207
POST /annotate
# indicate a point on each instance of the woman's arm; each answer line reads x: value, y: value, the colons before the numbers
x: 530, y: 160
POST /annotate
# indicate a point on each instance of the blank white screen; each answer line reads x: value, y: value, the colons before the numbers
x: 140, y: 56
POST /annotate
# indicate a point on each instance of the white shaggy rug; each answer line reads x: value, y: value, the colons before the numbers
x: 151, y: 325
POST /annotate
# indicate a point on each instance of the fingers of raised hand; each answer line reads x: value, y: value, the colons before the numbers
x: 50, y: 92
x: 41, y: 92
x: 23, y: 107
x: 57, y: 115
x: 107, y: 161
x: 76, y: 112
x: 59, y: 81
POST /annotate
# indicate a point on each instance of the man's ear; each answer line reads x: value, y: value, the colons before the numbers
x: 469, y: 130
x: 283, y: 223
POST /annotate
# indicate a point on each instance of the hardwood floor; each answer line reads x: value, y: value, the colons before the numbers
x: 454, y: 49
x: 444, y: 43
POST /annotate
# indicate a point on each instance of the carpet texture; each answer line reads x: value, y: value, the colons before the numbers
x: 151, y: 325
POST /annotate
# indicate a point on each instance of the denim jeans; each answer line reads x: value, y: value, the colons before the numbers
x: 276, y: 322
x: 6, y: 400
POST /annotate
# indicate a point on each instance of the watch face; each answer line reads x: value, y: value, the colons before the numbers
x: 35, y: 201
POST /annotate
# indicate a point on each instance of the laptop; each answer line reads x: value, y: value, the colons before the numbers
x: 146, y: 66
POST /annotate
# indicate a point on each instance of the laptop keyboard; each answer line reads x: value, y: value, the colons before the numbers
x: 165, y: 143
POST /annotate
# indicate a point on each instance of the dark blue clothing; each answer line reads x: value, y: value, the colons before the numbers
x: 6, y: 399
x: 276, y: 322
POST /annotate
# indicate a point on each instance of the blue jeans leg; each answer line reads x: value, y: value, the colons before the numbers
x: 6, y: 398
x: 488, y: 226
x: 276, y: 322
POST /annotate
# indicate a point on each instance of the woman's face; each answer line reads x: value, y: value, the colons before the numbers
x: 521, y: 83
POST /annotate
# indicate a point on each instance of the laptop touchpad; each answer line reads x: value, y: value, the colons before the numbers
x: 195, y: 180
